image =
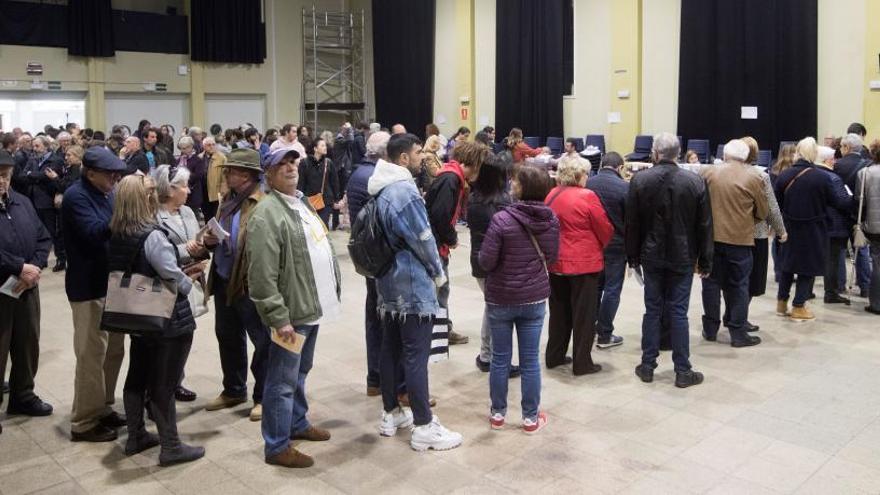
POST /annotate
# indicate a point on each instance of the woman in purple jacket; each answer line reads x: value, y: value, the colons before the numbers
x: 522, y: 239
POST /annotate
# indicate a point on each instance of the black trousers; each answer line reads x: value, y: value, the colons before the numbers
x: 52, y: 221
x: 154, y: 369
x: 833, y: 284
x: 573, y: 309
x: 20, y: 341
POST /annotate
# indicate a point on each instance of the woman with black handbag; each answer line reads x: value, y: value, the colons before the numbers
x: 147, y: 298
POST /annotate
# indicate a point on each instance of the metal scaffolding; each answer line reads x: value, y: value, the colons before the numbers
x: 334, y: 69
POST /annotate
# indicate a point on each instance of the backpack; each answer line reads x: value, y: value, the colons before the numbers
x: 368, y: 246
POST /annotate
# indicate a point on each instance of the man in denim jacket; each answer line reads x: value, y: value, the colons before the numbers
x: 407, y: 298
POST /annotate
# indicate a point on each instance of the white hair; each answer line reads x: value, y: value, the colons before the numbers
x: 377, y: 144
x: 195, y: 131
x: 165, y: 182
x: 375, y: 127
x: 209, y: 140
x: 853, y: 142
x: 63, y: 135
x: 824, y: 154
x: 736, y: 149
x: 666, y: 146
x: 185, y: 142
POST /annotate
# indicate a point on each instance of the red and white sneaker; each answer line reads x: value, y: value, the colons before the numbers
x: 496, y: 421
x: 531, y: 426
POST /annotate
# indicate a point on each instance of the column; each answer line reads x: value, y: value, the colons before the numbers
x: 96, y: 111
x: 626, y: 67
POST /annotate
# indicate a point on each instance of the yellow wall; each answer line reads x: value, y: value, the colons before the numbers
x: 840, y: 75
x: 872, y: 70
x: 661, y: 23
x: 484, y: 63
x: 453, y: 65
x: 585, y: 111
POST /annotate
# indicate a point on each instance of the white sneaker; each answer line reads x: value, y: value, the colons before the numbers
x: 400, y: 418
x: 434, y: 436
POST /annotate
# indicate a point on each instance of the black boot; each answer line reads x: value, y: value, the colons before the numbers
x: 173, y: 450
x: 139, y: 439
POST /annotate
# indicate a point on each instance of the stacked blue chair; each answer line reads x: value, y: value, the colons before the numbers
x: 598, y: 140
x: 641, y: 149
x: 764, y: 157
x: 701, y: 148
x: 578, y: 144
x: 532, y: 141
x: 555, y: 145
x: 719, y: 152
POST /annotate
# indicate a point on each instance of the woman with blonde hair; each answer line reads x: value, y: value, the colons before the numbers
x: 138, y: 245
x: 804, y: 194
x: 431, y: 163
x: 584, y: 231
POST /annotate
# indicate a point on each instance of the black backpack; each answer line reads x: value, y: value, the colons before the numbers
x: 368, y: 247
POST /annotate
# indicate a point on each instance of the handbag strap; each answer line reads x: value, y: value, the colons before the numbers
x: 796, y: 177
x: 862, y: 196
x: 534, y: 242
x: 324, y: 178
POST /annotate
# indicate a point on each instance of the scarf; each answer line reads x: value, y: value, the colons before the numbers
x: 233, y: 204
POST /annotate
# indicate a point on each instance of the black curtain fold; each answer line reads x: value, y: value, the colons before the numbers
x: 403, y: 62
x: 228, y: 31
x: 529, y: 71
x: 90, y: 28
x: 760, y: 53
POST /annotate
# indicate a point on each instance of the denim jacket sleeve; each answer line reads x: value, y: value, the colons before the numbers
x: 411, y: 225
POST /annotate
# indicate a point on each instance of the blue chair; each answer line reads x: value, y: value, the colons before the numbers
x: 782, y: 144
x: 764, y: 157
x: 719, y: 152
x: 598, y: 140
x: 555, y: 145
x: 700, y: 147
x: 497, y: 147
x: 641, y: 149
x: 578, y: 144
x: 532, y: 141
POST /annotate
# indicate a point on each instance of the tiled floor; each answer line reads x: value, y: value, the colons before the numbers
x: 798, y: 414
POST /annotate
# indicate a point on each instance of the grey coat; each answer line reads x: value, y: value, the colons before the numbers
x: 871, y: 204
x: 180, y: 236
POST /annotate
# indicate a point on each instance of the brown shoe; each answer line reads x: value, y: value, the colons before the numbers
x: 224, y: 402
x: 256, y: 413
x: 782, y: 308
x: 373, y: 391
x: 403, y: 400
x: 312, y: 434
x: 801, y: 314
x: 291, y: 458
x: 456, y: 338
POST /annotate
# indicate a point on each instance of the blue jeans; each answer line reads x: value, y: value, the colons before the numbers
x: 731, y: 268
x: 874, y: 291
x: 667, y: 292
x: 284, y: 399
x: 610, y: 286
x: 803, y: 288
x: 528, y: 320
x: 233, y: 324
x: 406, y: 341
x: 863, y: 267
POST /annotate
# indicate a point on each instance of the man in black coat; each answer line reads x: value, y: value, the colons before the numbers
x: 847, y: 167
x: 668, y: 232
x: 24, y: 249
x: 134, y: 157
x: 41, y: 175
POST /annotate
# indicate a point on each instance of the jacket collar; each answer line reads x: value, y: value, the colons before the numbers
x: 610, y: 171
x: 165, y: 219
x: 91, y: 189
x: 386, y: 174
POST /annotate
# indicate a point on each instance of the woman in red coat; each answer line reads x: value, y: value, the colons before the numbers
x: 519, y: 149
x: 584, y: 231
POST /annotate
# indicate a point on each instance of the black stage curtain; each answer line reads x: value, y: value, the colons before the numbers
x: 90, y: 28
x: 403, y: 62
x: 33, y: 24
x: 529, y: 67
x: 759, y: 53
x: 149, y: 32
x: 229, y: 31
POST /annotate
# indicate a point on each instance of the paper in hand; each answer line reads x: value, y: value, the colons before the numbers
x: 8, y: 287
x: 294, y: 346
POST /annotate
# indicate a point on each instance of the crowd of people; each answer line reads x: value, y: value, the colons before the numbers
x: 243, y: 219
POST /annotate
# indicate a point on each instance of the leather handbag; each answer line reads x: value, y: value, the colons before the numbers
x: 859, y: 239
x: 136, y: 303
x: 317, y: 200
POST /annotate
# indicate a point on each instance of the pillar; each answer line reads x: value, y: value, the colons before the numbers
x: 96, y: 108
x: 626, y: 66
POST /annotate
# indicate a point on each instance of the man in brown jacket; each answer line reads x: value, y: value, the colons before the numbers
x: 736, y: 191
x: 215, y: 161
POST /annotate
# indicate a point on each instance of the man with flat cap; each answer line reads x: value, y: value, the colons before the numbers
x: 24, y: 249
x: 235, y: 314
x: 85, y: 216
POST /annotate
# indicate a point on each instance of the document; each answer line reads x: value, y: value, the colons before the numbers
x: 295, y: 346
x: 215, y: 228
x: 8, y: 287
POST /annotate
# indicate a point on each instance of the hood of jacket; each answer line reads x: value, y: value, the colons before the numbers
x: 533, y: 214
x: 385, y: 174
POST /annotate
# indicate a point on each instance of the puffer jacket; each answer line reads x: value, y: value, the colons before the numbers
x: 480, y: 211
x: 409, y: 287
x: 837, y: 219
x: 516, y: 273
x: 584, y: 230
x: 871, y: 205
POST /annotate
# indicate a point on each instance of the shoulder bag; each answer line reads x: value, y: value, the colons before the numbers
x: 859, y: 239
x: 138, y: 304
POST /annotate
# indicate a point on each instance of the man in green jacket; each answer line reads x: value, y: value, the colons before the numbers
x: 294, y: 281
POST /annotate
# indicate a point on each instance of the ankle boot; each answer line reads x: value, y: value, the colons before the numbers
x: 782, y: 307
x: 139, y: 439
x: 173, y: 450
